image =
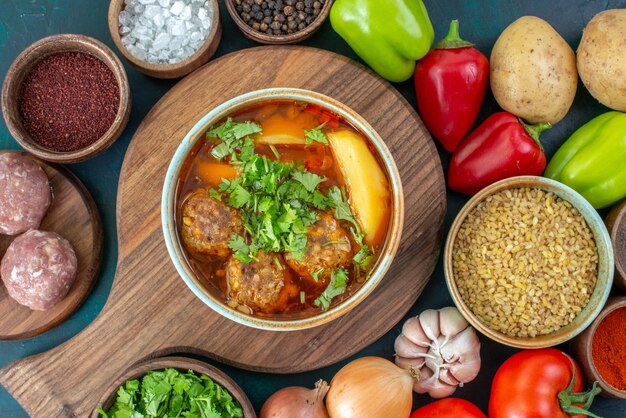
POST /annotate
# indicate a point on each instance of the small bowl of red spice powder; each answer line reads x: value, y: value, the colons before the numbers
x: 66, y: 98
x: 601, y: 349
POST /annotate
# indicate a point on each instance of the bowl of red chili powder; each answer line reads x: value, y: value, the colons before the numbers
x: 66, y: 98
x: 601, y: 349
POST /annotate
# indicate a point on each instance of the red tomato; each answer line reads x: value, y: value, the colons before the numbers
x: 536, y: 384
x: 449, y: 408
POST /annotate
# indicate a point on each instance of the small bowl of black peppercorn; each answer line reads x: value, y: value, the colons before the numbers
x: 278, y: 22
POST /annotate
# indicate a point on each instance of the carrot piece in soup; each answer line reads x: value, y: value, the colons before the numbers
x: 279, y: 130
x: 213, y: 173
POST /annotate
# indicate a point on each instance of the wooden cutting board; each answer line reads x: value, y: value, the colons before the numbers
x: 150, y: 312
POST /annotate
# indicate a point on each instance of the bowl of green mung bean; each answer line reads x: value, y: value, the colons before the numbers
x: 529, y: 262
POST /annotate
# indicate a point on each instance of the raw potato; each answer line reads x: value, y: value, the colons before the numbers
x: 367, y: 184
x: 601, y: 58
x: 533, y: 71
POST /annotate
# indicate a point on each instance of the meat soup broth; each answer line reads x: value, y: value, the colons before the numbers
x: 275, y: 284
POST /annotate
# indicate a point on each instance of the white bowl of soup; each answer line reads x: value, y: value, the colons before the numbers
x: 282, y: 209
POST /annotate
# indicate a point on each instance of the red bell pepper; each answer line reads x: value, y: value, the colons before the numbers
x: 450, y: 84
x: 501, y: 147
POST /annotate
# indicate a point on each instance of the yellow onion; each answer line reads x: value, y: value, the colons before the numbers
x: 370, y: 387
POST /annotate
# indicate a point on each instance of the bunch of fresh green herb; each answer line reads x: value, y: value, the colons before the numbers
x: 169, y: 393
x: 279, y: 201
x: 234, y: 136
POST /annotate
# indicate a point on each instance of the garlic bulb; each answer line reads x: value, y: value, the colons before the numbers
x: 441, y: 348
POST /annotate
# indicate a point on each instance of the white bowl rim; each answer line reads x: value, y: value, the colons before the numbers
x: 169, y: 193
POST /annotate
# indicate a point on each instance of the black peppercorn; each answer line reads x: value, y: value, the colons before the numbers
x: 279, y: 17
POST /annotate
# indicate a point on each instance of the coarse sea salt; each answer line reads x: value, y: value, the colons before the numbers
x: 164, y: 31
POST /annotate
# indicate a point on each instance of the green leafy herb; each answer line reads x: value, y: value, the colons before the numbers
x: 316, y: 274
x: 310, y: 181
x: 275, y: 151
x: 277, y: 202
x: 242, y: 250
x: 342, y: 211
x: 238, y: 197
x: 365, y: 255
x: 336, y: 287
x: 215, y: 194
x: 315, y: 135
x: 302, y: 297
x: 234, y: 135
x: 169, y: 393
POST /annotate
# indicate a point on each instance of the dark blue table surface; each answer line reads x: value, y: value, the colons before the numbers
x: 25, y: 21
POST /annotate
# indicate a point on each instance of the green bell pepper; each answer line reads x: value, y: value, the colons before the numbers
x: 389, y: 35
x: 593, y: 160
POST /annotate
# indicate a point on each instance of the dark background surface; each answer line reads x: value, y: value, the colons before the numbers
x: 25, y: 21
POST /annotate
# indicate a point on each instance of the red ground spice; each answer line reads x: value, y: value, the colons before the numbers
x: 608, y: 348
x: 68, y: 101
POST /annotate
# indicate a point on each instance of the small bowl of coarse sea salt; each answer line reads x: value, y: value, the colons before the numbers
x: 165, y: 38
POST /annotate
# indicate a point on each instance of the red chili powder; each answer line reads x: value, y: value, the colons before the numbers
x: 68, y: 101
x: 608, y: 348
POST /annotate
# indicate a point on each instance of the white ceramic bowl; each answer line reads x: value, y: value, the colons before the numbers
x: 169, y: 195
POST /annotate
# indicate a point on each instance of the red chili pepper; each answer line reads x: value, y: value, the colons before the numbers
x: 501, y: 147
x: 450, y: 83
